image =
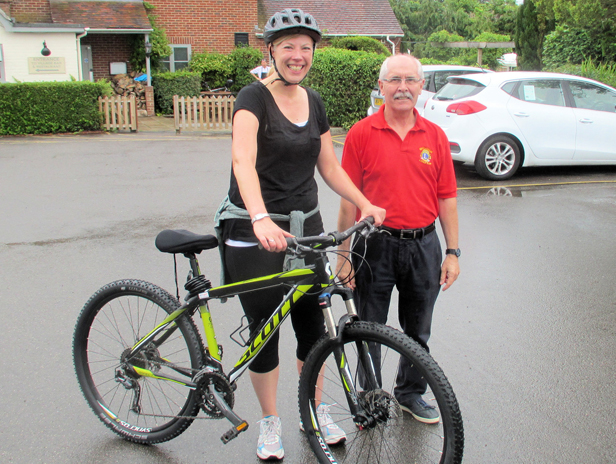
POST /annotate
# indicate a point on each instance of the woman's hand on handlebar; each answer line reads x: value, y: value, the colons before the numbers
x: 376, y: 212
x: 271, y: 237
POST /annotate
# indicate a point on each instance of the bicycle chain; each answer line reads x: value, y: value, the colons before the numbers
x: 210, y: 415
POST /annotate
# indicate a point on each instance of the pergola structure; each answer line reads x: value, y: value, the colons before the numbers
x: 478, y: 45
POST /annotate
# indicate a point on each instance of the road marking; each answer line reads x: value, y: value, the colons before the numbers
x: 338, y: 141
x: 540, y: 185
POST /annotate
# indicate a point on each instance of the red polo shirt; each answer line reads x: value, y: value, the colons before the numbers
x: 406, y: 177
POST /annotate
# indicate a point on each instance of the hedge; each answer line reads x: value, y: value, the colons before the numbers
x: 216, y: 68
x: 360, y: 43
x: 601, y: 72
x: 50, y: 107
x: 168, y: 84
x: 345, y: 80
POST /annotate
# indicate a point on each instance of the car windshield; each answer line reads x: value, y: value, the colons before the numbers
x: 459, y: 88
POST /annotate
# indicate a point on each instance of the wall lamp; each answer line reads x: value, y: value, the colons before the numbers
x: 148, y: 49
x: 45, y: 51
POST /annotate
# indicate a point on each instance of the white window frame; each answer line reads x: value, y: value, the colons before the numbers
x: 170, y: 60
x: 2, y: 78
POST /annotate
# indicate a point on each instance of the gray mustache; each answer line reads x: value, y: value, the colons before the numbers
x: 403, y: 94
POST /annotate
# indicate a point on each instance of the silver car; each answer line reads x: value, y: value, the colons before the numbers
x: 436, y: 77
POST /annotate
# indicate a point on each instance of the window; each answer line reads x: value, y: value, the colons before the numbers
x: 542, y: 91
x: 429, y: 77
x: 241, y: 38
x: 440, y: 77
x: 179, y: 58
x: 592, y: 97
x: 457, y: 88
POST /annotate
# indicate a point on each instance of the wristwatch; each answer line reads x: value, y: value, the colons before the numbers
x: 453, y: 251
x: 258, y: 217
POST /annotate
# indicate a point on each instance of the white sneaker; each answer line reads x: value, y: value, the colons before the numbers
x: 269, y: 446
x: 332, y: 434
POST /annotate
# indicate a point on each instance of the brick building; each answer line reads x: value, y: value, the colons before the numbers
x: 104, y: 30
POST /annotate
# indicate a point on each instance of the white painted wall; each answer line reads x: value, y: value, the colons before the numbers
x: 17, y: 47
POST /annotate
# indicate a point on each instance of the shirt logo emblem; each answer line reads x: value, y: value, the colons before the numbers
x: 425, y: 155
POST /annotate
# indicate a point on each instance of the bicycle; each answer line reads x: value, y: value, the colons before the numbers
x: 146, y: 373
x: 225, y: 89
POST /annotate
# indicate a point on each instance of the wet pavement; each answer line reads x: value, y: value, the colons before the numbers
x: 527, y: 336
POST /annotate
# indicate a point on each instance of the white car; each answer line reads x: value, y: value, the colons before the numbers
x: 499, y: 122
x: 436, y: 77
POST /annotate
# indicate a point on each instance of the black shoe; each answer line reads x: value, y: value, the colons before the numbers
x: 420, y: 410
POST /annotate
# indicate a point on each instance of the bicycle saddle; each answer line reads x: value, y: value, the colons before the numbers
x: 184, y: 241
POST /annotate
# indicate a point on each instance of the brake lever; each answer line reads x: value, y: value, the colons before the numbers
x: 369, y: 230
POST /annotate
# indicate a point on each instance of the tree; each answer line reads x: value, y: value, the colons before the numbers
x: 528, y: 38
x: 594, y: 17
x: 465, y: 18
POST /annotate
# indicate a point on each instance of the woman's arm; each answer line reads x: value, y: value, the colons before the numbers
x: 339, y: 181
x: 244, y: 159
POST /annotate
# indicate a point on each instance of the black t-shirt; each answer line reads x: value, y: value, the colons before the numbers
x: 286, y: 158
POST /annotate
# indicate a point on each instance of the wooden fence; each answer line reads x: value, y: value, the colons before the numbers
x: 206, y: 112
x: 119, y: 112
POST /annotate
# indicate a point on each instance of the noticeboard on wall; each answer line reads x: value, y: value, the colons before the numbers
x: 47, y: 65
x: 118, y: 67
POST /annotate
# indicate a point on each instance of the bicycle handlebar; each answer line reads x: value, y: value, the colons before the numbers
x: 331, y: 239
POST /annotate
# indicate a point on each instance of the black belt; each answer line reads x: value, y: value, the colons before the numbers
x: 408, y: 234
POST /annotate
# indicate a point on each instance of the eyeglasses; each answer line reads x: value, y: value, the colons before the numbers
x: 407, y: 80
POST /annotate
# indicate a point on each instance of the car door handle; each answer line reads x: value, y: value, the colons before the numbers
x: 521, y: 115
x: 586, y: 121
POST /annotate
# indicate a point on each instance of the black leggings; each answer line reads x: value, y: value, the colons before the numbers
x: 244, y: 263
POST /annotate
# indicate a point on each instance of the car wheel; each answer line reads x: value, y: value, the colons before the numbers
x: 498, y: 158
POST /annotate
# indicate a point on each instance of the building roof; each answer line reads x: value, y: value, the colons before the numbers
x: 101, y: 15
x: 341, y: 17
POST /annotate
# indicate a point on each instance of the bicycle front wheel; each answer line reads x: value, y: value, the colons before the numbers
x: 140, y: 409
x: 383, y: 433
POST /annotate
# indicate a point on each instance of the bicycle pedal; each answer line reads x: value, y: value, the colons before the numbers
x: 234, y: 432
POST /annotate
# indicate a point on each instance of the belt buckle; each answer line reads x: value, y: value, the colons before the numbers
x: 408, y: 234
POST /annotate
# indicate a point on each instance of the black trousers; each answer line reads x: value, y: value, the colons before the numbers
x: 413, y: 267
x: 244, y: 263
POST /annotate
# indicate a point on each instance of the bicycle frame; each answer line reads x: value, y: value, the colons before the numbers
x: 313, y: 277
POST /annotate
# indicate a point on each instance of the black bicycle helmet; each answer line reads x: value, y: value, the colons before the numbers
x: 288, y: 22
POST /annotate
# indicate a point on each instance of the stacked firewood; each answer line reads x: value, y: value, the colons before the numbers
x: 126, y: 85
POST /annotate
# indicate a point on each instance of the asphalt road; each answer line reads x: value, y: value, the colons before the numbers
x: 527, y: 336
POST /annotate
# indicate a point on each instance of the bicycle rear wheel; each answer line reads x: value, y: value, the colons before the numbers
x: 111, y: 322
x: 393, y: 436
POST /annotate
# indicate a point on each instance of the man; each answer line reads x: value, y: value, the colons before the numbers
x: 260, y: 72
x: 402, y: 162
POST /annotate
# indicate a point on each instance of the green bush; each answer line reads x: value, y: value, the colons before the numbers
x: 243, y: 59
x: 358, y: 43
x: 50, y: 107
x: 568, y: 45
x: 344, y: 79
x: 168, y: 84
x: 214, y: 69
x: 602, y: 72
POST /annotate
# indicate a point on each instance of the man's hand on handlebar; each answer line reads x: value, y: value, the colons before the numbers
x: 377, y: 213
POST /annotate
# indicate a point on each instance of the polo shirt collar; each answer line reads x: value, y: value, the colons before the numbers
x: 378, y: 120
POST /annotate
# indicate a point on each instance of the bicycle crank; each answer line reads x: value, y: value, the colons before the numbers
x: 218, y: 400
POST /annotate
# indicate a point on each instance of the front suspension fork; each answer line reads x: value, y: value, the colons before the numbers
x: 364, y: 358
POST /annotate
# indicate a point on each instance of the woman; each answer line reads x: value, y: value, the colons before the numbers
x: 280, y: 133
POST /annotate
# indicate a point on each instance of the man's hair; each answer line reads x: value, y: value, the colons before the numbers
x: 385, y: 66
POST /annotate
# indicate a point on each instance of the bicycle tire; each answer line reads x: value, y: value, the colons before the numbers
x: 110, y: 323
x: 399, y: 437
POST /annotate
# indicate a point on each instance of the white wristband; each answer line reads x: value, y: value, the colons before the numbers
x: 258, y: 217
